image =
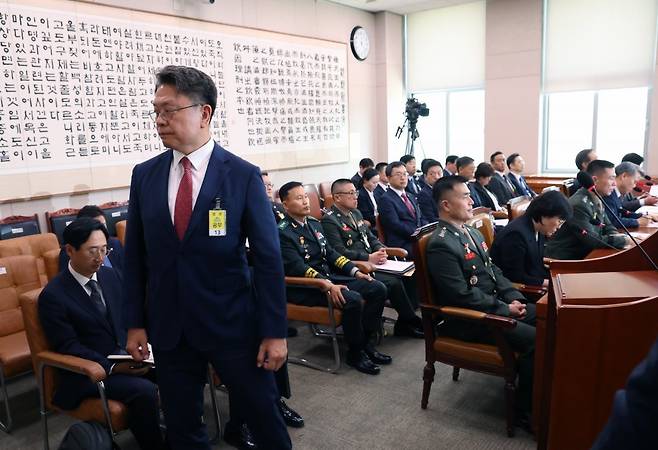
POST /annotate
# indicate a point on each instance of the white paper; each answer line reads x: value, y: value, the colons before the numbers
x: 395, y: 266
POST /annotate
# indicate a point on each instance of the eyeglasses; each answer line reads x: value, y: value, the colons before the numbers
x: 352, y: 193
x: 269, y: 185
x: 167, y: 114
x: 99, y: 251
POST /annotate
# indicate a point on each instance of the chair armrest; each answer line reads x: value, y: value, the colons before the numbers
x: 529, y: 289
x: 396, y: 252
x: 91, y: 369
x: 318, y: 283
x: 471, y: 315
x: 364, y: 266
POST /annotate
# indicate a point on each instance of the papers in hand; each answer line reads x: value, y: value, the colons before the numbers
x: 395, y: 267
x: 120, y: 358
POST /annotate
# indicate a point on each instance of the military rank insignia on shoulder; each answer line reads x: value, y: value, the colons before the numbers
x: 328, y: 213
x: 283, y: 224
x: 442, y: 233
x: 311, y: 218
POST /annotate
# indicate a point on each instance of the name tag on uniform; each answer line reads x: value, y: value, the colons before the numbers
x: 217, y: 222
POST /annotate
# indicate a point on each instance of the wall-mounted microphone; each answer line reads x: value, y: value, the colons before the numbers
x: 586, y: 181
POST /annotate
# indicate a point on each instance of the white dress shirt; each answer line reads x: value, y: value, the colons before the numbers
x: 373, y: 201
x: 199, y: 159
x: 494, y: 199
x: 383, y: 185
x: 83, y: 280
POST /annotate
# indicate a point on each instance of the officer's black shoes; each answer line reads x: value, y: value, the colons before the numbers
x: 361, y: 362
x: 408, y: 329
x: 290, y: 416
x: 239, y: 437
x: 375, y: 356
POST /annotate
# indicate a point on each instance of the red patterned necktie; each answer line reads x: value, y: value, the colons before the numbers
x: 183, y: 207
x: 410, y: 207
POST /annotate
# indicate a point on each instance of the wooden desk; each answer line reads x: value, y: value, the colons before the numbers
x: 592, y: 329
x: 538, y: 182
x: 601, y: 252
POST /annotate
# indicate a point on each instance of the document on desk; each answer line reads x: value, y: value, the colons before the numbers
x: 395, y: 267
x: 647, y: 209
x: 639, y: 235
x: 501, y: 222
x: 654, y: 190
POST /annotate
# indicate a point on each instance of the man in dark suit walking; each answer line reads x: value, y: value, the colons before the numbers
x: 80, y: 311
x: 187, y: 281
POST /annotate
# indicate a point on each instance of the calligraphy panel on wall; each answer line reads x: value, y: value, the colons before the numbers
x: 76, y: 84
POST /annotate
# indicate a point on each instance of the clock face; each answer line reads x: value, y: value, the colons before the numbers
x: 360, y: 43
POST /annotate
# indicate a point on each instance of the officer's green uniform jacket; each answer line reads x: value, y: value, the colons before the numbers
x: 306, y: 252
x: 588, y: 214
x: 279, y: 212
x: 465, y: 276
x: 352, y: 239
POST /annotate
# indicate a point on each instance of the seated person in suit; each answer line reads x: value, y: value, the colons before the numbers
x: 81, y: 314
x: 364, y: 164
x: 626, y: 176
x: 463, y: 275
x: 500, y: 183
x: 382, y: 185
x: 306, y: 253
x: 114, y: 256
x: 583, y: 158
x: 451, y: 166
x: 277, y: 208
x: 630, y: 201
x: 431, y: 172
x: 367, y: 202
x: 518, y: 249
x: 465, y: 167
x: 590, y: 227
x: 347, y: 233
x: 399, y: 214
x: 413, y: 186
x: 481, y: 194
x: 516, y: 166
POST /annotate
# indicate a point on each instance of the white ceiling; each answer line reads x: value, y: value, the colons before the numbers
x: 399, y: 6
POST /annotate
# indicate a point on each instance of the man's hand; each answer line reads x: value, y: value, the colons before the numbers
x: 272, y: 353
x: 650, y: 200
x: 517, y: 309
x: 137, y: 344
x: 644, y: 221
x: 378, y: 257
x: 130, y: 368
x: 363, y: 276
x: 336, y: 296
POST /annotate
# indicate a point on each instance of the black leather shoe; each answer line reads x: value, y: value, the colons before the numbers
x: 408, y: 329
x: 376, y: 357
x: 239, y: 437
x: 524, y: 421
x: 292, y: 332
x: 290, y: 416
x: 362, y: 363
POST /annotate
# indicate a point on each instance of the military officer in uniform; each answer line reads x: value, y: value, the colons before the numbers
x: 277, y: 208
x: 590, y: 227
x: 306, y: 253
x: 463, y: 275
x: 347, y: 233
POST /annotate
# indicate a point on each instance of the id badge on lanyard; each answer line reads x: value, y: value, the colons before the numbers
x: 217, y: 220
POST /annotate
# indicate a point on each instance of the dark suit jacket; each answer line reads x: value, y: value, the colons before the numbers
x: 628, y: 218
x: 379, y: 191
x: 397, y: 221
x: 75, y: 327
x: 480, y: 196
x: 501, y: 190
x: 630, y: 203
x: 413, y: 186
x: 366, y: 207
x: 518, y: 254
x: 357, y: 181
x: 202, y: 287
x: 116, y: 256
x: 520, y: 185
x: 427, y: 205
x: 446, y: 173
x: 633, y: 420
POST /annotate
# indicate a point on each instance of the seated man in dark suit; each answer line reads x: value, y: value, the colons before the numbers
x: 626, y: 176
x: 364, y: 164
x: 500, y: 183
x: 516, y: 166
x: 367, y: 202
x: 277, y: 208
x: 80, y: 310
x: 450, y: 168
x: 583, y: 158
x: 518, y: 248
x: 431, y: 173
x: 413, y: 186
x: 306, y: 253
x: 465, y: 167
x: 463, y: 275
x: 347, y: 233
x: 398, y: 212
x: 382, y: 185
x: 114, y: 256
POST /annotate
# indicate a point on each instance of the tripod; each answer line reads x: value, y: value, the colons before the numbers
x: 412, y: 135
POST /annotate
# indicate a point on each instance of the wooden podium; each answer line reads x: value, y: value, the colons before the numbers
x: 595, y: 325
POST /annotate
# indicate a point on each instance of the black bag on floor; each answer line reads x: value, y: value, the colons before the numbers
x: 87, y: 436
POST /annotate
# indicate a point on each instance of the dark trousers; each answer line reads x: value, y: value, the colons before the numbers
x: 182, y: 375
x: 362, y: 311
x: 398, y: 296
x: 140, y: 395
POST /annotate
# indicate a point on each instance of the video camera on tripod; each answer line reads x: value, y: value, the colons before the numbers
x: 413, y: 109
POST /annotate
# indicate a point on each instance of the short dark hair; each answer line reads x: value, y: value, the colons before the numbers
x: 597, y: 166
x: 582, y: 157
x: 549, y: 204
x: 393, y: 165
x: 91, y: 211
x: 483, y: 170
x: 263, y: 173
x: 634, y: 158
x: 444, y: 185
x: 511, y: 158
x: 406, y: 158
x: 493, y: 156
x: 290, y: 185
x: 381, y: 166
x: 464, y: 161
x: 77, y: 232
x: 450, y: 159
x: 338, y: 183
x: 369, y: 173
x: 197, y: 85
x: 366, y: 162
x: 428, y: 163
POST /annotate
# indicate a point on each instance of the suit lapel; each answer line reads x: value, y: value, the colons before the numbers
x: 104, y: 278
x: 161, y: 177
x: 79, y: 296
